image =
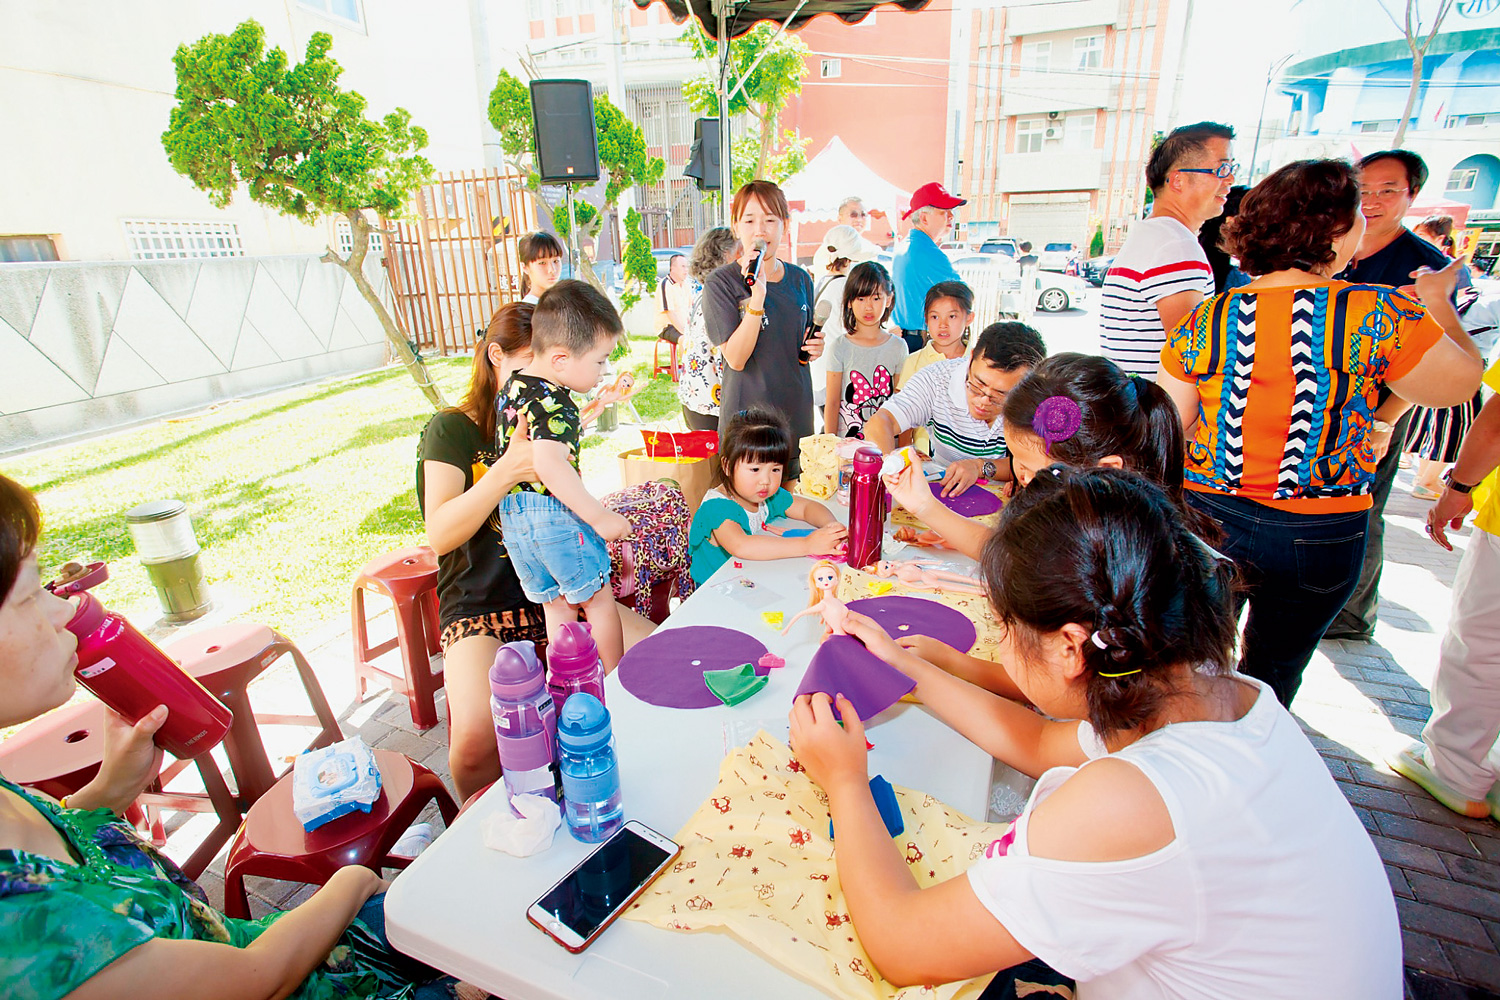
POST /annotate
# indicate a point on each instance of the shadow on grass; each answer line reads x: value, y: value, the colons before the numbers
x: 208, y: 433
x: 388, y: 430
x: 397, y: 516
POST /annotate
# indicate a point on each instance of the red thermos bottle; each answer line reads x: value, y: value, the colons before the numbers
x: 866, y: 508
x: 131, y: 675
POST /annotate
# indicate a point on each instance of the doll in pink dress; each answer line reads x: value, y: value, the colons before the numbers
x: 926, y: 574
x: 823, y: 582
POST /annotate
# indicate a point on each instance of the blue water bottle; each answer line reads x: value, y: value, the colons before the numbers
x: 592, y: 806
x: 525, y: 721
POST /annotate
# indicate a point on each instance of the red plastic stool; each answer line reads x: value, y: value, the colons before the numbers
x: 408, y: 578
x: 225, y: 660
x: 61, y: 752
x: 272, y: 843
x: 656, y: 366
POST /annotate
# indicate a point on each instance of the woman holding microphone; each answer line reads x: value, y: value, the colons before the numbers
x: 758, y: 311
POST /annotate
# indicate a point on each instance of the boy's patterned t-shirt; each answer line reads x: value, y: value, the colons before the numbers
x: 551, y: 415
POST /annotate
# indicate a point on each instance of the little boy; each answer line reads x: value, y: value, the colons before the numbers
x: 554, y: 529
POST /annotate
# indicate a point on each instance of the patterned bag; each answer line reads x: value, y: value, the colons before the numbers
x: 757, y: 862
x: 657, y: 549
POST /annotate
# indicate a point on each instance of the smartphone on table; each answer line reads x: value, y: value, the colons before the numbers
x: 576, y: 910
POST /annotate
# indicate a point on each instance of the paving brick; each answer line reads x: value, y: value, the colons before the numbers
x: 1473, y: 871
x: 1493, y: 926
x: 1455, y: 895
x: 1406, y: 710
x: 1371, y: 797
x: 1332, y: 748
x: 1399, y: 885
x: 1442, y: 923
x: 1373, y: 690
x: 1443, y: 838
x: 1339, y: 769
x: 1424, y: 953
x: 1367, y: 775
x: 414, y: 746
x: 1480, y: 967
x: 1426, y: 807
x: 1408, y: 855
x: 1368, y: 819
x: 1488, y: 847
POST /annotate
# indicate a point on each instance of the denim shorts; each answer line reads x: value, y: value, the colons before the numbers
x: 554, y: 552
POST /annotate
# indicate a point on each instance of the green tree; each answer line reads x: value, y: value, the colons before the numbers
x: 622, y: 157
x: 772, y: 65
x: 640, y: 265
x: 300, y: 144
x: 1096, y: 245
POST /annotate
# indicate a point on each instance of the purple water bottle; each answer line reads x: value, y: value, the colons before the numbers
x: 866, y: 509
x: 525, y: 721
x: 573, y: 664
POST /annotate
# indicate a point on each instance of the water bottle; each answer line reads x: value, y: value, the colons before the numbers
x: 132, y: 675
x: 867, y: 508
x: 573, y: 664
x: 592, y: 807
x: 525, y: 721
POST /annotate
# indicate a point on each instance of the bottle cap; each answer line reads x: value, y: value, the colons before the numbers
x: 572, y: 650
x: 516, y: 674
x: 868, y: 460
x: 87, y: 617
x: 584, y: 723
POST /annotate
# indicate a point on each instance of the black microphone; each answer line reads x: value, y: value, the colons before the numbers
x: 759, y: 246
x: 821, y: 313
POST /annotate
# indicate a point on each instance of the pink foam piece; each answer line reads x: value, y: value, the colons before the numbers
x: 771, y: 661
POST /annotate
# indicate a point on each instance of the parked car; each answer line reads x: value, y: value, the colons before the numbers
x: 1056, y: 292
x: 1001, y: 244
x: 1055, y: 256
x: 1094, y: 269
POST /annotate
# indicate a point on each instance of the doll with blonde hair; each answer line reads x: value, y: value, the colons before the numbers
x: 823, y: 584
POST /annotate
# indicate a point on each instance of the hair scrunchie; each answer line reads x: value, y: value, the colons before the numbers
x: 1057, y: 418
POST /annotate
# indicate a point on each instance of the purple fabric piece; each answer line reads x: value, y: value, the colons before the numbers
x: 902, y: 614
x: 976, y: 501
x: 842, y: 665
x: 660, y: 669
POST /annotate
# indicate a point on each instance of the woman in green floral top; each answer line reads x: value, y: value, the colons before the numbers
x: 88, y: 910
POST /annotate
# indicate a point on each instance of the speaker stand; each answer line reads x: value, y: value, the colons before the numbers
x: 572, y: 232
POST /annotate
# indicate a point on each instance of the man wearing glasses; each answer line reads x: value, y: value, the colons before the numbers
x: 959, y: 402
x: 851, y: 213
x: 1388, y: 254
x: 1161, y: 273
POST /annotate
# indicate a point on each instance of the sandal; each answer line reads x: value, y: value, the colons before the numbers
x: 1411, y: 763
x: 1420, y: 492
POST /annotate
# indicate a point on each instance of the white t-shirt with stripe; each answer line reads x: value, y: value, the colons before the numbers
x: 1160, y: 257
x: 935, y: 398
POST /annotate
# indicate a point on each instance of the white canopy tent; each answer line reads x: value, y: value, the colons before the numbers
x: 830, y: 177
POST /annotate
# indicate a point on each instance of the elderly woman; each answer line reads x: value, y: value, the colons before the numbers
x: 760, y: 328
x: 1277, y: 382
x: 702, y: 369
x: 88, y: 910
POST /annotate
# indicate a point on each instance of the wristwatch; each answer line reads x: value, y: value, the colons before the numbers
x: 1455, y: 485
x: 1383, y: 426
x: 987, y: 470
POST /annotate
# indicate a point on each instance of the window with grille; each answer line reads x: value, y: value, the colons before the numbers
x: 338, y: 10
x: 1029, y: 135
x: 832, y: 68
x: 1088, y: 52
x: 1462, y: 180
x: 346, y: 239
x: 25, y: 249
x: 1459, y: 121
x: 152, y: 239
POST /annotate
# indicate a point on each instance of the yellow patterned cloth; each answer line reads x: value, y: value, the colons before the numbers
x: 819, y: 458
x: 855, y: 583
x: 757, y: 862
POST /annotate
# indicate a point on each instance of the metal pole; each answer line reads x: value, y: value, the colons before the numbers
x: 1271, y: 70
x: 572, y: 232
x: 726, y: 159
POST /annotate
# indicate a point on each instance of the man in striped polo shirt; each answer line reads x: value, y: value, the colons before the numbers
x: 959, y: 402
x: 1161, y: 273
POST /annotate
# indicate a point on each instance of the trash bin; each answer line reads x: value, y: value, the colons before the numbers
x: 164, y: 539
x: 608, y: 420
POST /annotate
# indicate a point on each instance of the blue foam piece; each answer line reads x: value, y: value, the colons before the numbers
x: 885, y: 801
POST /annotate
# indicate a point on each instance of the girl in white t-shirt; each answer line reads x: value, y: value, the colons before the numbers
x: 1185, y: 841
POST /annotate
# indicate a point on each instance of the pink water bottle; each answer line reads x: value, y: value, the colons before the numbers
x: 867, y: 508
x: 573, y: 664
x: 132, y: 675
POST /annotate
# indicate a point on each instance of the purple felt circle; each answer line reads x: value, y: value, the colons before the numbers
x: 902, y: 614
x: 660, y: 670
x: 976, y: 501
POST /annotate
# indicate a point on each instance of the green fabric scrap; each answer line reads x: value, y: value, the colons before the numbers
x: 734, y: 685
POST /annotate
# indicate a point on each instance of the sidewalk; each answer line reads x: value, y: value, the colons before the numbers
x: 1358, y: 703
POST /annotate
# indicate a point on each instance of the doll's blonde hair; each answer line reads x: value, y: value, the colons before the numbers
x: 815, y: 596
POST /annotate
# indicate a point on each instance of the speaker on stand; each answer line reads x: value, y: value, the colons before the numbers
x: 567, y: 146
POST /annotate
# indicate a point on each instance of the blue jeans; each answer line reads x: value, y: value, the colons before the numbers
x: 1298, y: 570
x: 430, y: 983
x: 555, y: 553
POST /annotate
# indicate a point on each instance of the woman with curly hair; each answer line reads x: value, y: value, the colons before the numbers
x: 1277, y: 381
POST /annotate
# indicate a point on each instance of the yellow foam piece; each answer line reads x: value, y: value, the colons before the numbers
x: 773, y: 618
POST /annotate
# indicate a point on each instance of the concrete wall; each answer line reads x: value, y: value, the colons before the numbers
x: 92, y: 346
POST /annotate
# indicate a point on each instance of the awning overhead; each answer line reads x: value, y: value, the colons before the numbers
x: 747, y: 13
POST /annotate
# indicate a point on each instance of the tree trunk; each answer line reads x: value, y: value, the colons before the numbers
x: 353, y: 265
x: 1411, y: 94
x: 768, y: 123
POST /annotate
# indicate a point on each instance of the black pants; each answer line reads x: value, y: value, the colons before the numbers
x: 699, y: 421
x: 915, y: 339
x: 1031, y: 974
x: 1299, y: 570
x: 1357, y: 619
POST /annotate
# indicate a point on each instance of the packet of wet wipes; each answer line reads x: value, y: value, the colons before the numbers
x: 333, y: 781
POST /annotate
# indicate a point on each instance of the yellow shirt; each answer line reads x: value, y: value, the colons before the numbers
x: 1487, y: 493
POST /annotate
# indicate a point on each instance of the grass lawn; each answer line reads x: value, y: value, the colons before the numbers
x: 290, y: 493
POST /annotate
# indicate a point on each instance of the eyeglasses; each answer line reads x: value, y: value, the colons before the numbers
x: 1384, y: 194
x: 1223, y: 171
x: 981, y: 391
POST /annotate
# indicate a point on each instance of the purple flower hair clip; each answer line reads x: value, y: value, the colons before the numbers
x: 1057, y: 418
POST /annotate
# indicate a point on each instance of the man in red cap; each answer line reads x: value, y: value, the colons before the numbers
x: 919, y: 264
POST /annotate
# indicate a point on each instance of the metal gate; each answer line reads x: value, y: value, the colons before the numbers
x: 453, y: 261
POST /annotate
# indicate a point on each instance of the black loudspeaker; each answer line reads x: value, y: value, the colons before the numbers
x: 562, y: 115
x: 703, y: 161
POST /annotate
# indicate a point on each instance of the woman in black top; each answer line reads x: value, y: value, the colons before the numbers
x: 460, y: 481
x: 760, y: 329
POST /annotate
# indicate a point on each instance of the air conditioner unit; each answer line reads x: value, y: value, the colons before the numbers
x: 1054, y: 115
x: 1054, y: 132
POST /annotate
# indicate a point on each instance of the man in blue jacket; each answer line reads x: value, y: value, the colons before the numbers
x: 919, y: 264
